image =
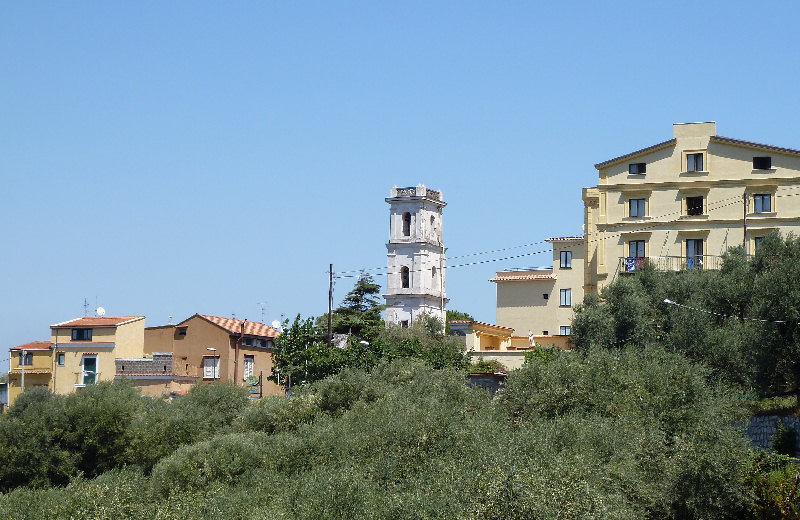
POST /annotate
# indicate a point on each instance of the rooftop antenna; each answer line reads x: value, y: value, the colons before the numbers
x: 100, y: 311
x: 85, y: 307
x: 262, y: 305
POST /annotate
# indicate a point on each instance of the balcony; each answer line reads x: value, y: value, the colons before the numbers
x: 630, y: 264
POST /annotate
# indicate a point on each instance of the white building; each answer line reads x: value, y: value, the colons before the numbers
x: 416, y: 255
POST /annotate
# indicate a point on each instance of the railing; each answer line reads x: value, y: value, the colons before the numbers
x: 631, y: 264
x: 412, y: 192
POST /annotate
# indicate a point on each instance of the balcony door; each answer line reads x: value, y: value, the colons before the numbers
x: 89, y: 370
x: 694, y: 253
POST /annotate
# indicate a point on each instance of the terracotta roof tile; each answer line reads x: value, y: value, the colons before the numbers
x: 97, y: 321
x: 33, y: 345
x: 523, y: 276
x: 498, y: 327
x: 234, y: 326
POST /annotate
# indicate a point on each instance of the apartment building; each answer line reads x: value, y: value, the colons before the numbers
x: 683, y: 202
x: 31, y: 365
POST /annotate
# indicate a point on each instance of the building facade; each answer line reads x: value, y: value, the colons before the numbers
x: 212, y: 348
x: 415, y: 256
x: 31, y: 365
x: 683, y: 202
x: 84, y: 349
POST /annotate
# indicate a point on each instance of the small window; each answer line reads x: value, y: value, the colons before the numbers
x: 249, y: 364
x: 404, y: 324
x: 404, y: 277
x: 81, y: 334
x: 262, y: 343
x: 566, y: 298
x: 762, y: 163
x: 181, y: 331
x: 406, y: 224
x: 757, y: 241
x: 694, y: 162
x: 638, y: 168
x: 636, y: 249
x: 433, y: 273
x: 566, y: 259
x: 60, y: 359
x: 546, y: 296
x: 564, y: 330
x: 762, y: 203
x: 545, y: 333
x: 694, y: 205
x: 636, y: 208
x: 28, y: 359
x: 210, y: 367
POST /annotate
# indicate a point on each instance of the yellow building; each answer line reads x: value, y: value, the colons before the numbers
x: 84, y: 349
x: 31, y: 365
x: 683, y: 202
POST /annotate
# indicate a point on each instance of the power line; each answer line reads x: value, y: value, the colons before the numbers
x: 670, y: 302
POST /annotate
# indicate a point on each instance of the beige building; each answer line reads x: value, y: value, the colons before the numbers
x: 211, y: 348
x: 84, y: 349
x: 539, y: 302
x: 683, y: 202
x: 31, y: 365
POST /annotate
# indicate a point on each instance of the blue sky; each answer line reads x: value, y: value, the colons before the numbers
x: 164, y: 158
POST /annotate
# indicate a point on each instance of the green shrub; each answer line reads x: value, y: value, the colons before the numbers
x: 775, y: 481
x: 784, y: 441
x: 275, y: 413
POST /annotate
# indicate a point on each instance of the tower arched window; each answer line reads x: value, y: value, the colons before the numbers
x: 406, y: 224
x: 404, y: 277
x: 433, y: 273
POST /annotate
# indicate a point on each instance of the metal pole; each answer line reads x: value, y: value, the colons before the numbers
x: 744, y: 233
x: 22, y: 366
x: 330, y: 307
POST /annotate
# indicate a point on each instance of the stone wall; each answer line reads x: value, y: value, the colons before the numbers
x: 160, y: 364
x: 762, y: 430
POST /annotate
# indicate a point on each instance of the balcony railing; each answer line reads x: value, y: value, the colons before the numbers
x: 631, y: 264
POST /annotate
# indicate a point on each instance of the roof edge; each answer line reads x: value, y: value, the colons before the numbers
x: 653, y: 148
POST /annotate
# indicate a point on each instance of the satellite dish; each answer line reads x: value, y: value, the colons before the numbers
x: 100, y: 311
x: 276, y: 325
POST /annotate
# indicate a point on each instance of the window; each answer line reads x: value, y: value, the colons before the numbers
x: 247, y: 342
x: 694, y: 205
x: 757, y: 241
x: 249, y: 363
x: 636, y: 249
x: 762, y: 203
x: 762, y: 163
x: 262, y: 343
x: 546, y: 296
x: 404, y: 278
x: 636, y: 208
x: 638, y: 168
x: 60, y: 359
x: 564, y: 330
x: 433, y: 274
x: 406, y: 224
x: 566, y: 259
x: 28, y: 359
x: 210, y: 367
x: 566, y: 298
x: 404, y: 324
x: 694, y: 162
x: 181, y: 331
x: 89, y: 369
x: 545, y: 333
x: 694, y: 253
x: 81, y: 334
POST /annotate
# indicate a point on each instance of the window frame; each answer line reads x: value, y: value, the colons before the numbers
x: 695, y: 256
x: 28, y: 359
x: 248, y: 365
x: 406, y: 224
x: 759, y: 162
x: 637, y: 168
x: 61, y: 359
x: 211, y: 370
x: 565, y: 330
x: 565, y: 297
x: 87, y: 379
x: 405, y: 277
x: 691, y: 160
x: 689, y: 210
x: 82, y: 334
x: 641, y: 207
x: 565, y: 259
x: 758, y: 200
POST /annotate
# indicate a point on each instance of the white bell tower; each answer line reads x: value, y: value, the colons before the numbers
x: 416, y: 256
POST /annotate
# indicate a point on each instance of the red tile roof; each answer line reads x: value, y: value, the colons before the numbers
x: 97, y: 321
x: 234, y: 326
x: 523, y: 276
x: 33, y: 345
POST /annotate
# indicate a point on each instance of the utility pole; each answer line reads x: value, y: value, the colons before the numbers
x: 744, y: 232
x: 330, y: 307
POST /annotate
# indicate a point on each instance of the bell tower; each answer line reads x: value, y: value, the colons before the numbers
x: 416, y: 256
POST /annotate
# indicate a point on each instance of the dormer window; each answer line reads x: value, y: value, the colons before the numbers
x: 637, y: 168
x: 762, y: 163
x: 81, y: 334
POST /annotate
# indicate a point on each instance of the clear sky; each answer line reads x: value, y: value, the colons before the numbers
x: 168, y: 158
